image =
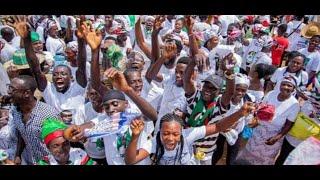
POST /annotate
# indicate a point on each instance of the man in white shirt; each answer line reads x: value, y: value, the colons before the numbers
x: 59, y: 93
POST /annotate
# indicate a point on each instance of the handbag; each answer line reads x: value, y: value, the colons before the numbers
x: 304, y: 127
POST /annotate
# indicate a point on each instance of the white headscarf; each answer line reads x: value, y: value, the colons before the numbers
x: 242, y: 79
x: 73, y: 45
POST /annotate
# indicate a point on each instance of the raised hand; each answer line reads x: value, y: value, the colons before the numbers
x: 137, y: 126
x: 117, y: 79
x: 201, y: 61
x: 21, y: 25
x: 157, y: 26
x: 228, y: 63
x: 93, y: 37
x: 170, y: 51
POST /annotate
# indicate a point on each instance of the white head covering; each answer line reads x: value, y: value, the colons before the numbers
x: 242, y: 79
x: 267, y: 41
x: 73, y: 45
x: 208, y: 34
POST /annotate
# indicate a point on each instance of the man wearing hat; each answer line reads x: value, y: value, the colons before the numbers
x: 60, y: 151
x: 204, y: 106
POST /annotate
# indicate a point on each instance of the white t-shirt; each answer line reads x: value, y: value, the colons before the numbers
x: 187, y: 157
x: 280, y: 73
x: 295, y: 40
x: 94, y: 148
x: 285, y: 110
x: 55, y: 45
x: 312, y: 59
x: 258, y: 95
x: 71, y: 99
x: 173, y: 97
x: 115, y: 156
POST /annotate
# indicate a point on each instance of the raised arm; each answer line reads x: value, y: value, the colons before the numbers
x: 170, y: 50
x: 132, y: 155
x: 69, y: 31
x: 140, y: 39
x: 23, y: 29
x: 194, y: 49
x: 188, y: 82
x: 229, y: 76
x: 120, y: 83
x: 227, y: 122
x: 155, y: 51
x: 81, y: 75
x: 93, y: 38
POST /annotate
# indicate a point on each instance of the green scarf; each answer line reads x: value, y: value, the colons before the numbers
x: 115, y: 55
x: 195, y: 120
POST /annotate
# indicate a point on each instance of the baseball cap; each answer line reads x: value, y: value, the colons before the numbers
x: 215, y: 80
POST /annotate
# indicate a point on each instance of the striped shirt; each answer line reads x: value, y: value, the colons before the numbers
x: 30, y: 131
x: 207, y: 144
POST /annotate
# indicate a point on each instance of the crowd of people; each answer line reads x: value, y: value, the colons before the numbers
x: 202, y: 86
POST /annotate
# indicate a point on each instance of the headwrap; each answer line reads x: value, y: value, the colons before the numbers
x: 242, y: 79
x: 52, y: 128
x: 208, y: 34
x: 290, y: 79
x: 114, y: 53
x: 149, y: 18
x: 73, y: 45
x: 51, y: 24
x: 114, y: 94
x: 34, y: 36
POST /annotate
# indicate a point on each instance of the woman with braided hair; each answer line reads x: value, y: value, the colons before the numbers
x: 173, y: 145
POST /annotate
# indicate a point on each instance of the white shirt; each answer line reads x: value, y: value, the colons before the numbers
x: 285, y: 110
x: 280, y: 73
x: 312, y: 59
x: 92, y: 147
x: 187, y: 157
x: 71, y: 99
x: 173, y: 97
x: 55, y: 45
x: 15, y: 42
